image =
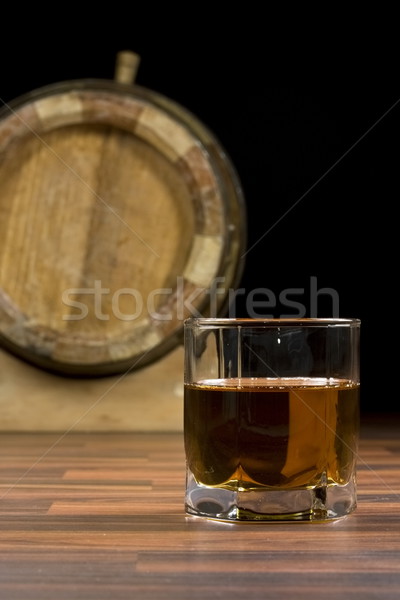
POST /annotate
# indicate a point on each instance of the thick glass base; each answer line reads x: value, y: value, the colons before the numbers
x: 319, y: 503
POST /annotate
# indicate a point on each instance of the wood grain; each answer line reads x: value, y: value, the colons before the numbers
x: 101, y: 516
x: 147, y: 399
x: 115, y: 220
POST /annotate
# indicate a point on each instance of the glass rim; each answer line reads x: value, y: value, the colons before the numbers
x: 216, y: 322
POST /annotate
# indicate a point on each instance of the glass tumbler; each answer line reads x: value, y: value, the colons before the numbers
x: 271, y: 418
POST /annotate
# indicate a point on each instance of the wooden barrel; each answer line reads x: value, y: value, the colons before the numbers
x: 120, y: 216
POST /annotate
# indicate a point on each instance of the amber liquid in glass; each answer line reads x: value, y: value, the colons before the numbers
x: 282, y: 433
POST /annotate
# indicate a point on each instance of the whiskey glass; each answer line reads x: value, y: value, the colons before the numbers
x: 271, y: 418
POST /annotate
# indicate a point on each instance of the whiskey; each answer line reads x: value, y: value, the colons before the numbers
x: 278, y: 433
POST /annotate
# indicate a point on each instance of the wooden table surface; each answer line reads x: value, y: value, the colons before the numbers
x: 95, y: 516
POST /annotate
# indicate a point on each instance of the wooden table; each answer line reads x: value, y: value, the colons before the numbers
x: 95, y: 516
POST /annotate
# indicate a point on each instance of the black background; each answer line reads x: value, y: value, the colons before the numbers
x: 308, y: 117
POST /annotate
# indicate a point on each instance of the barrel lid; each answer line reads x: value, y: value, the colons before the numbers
x: 121, y: 216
